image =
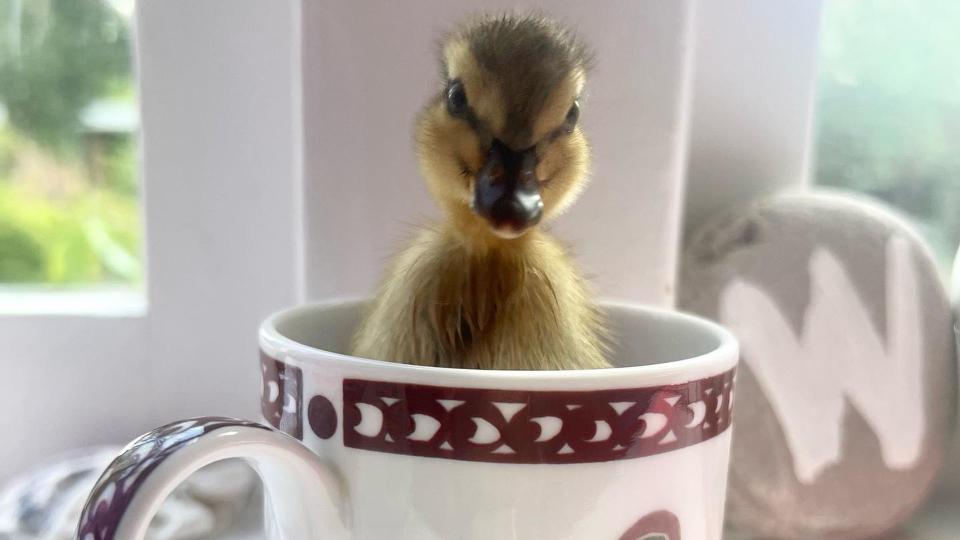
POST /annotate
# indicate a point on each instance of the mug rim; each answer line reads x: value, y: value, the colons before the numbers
x: 721, y: 358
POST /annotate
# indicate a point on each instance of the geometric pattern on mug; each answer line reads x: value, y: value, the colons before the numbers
x: 322, y: 417
x: 533, y: 426
x: 281, y: 395
x: 116, y: 487
x: 660, y: 525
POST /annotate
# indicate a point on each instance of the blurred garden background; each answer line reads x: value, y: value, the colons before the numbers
x: 888, y: 124
x: 69, y: 203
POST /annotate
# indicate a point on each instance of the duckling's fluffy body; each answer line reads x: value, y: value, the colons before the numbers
x: 517, y: 307
x: 500, y: 150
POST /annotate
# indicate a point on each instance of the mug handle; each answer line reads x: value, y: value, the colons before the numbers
x: 305, y: 496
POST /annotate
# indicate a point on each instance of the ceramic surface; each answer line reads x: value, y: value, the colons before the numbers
x: 405, y: 452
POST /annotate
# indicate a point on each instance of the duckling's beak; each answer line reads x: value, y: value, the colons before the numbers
x: 507, y: 192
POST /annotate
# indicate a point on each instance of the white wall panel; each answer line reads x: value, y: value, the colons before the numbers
x: 219, y: 97
x: 753, y: 101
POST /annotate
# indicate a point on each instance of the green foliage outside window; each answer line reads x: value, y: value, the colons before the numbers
x: 69, y: 212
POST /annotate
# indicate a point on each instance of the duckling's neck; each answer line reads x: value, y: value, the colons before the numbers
x: 477, y: 240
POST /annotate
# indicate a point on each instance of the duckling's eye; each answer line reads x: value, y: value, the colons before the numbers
x: 572, y: 116
x: 456, y: 98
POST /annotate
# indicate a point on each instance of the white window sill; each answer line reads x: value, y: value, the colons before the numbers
x: 92, y: 301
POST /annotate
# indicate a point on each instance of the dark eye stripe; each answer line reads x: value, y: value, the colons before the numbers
x: 573, y: 115
x: 462, y: 110
x: 456, y: 98
x: 569, y: 123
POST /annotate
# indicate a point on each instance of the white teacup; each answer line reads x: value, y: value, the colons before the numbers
x: 393, y: 451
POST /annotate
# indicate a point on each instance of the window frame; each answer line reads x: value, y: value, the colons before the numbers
x: 102, y: 376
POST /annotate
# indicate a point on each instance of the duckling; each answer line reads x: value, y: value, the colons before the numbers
x: 502, y: 152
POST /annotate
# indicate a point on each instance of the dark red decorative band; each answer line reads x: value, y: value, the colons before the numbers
x: 281, y: 395
x: 530, y: 426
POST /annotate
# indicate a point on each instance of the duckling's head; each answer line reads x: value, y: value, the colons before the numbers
x: 501, y: 147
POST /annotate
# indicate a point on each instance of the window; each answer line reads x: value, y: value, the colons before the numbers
x: 69, y: 208
x: 888, y: 109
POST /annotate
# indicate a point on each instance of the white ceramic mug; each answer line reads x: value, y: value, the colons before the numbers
x: 377, y: 450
